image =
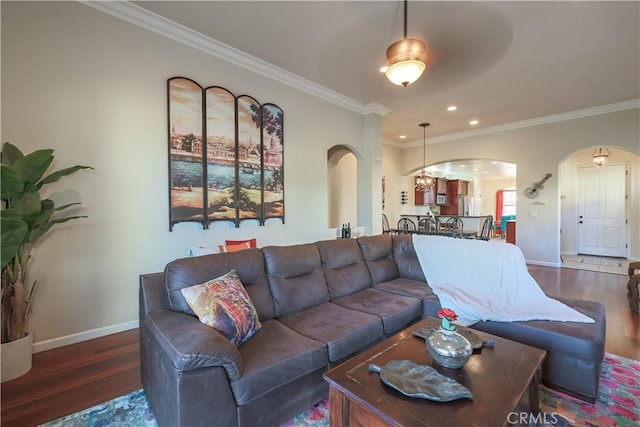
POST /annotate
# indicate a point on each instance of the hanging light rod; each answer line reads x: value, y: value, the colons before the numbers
x: 407, y: 58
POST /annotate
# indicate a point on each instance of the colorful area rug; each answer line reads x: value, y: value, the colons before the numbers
x: 618, y: 405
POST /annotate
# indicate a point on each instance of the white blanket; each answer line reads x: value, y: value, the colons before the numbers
x: 486, y: 280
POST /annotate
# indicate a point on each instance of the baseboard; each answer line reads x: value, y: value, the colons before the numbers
x: 570, y: 253
x: 83, y: 336
x: 544, y: 263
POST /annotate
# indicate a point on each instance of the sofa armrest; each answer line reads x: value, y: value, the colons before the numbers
x: 191, y: 345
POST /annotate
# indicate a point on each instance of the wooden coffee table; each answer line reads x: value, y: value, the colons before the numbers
x: 504, y: 381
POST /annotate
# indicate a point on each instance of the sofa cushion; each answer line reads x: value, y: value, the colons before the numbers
x: 344, y: 269
x: 223, y: 304
x: 377, y: 252
x: 396, y: 311
x: 274, y: 356
x: 408, y: 287
x: 295, y: 277
x: 404, y: 255
x: 249, y: 264
x: 344, y: 331
x: 582, y: 340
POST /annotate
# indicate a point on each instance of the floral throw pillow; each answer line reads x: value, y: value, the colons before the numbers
x: 224, y: 304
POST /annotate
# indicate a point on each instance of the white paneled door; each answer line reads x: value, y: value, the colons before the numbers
x: 602, y: 222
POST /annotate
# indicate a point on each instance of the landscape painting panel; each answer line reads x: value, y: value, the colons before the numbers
x: 221, y: 154
x: 273, y: 161
x: 185, y: 146
x: 249, y: 159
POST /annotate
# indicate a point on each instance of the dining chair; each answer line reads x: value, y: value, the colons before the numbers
x: 406, y: 226
x: 428, y: 225
x: 487, y: 225
x: 454, y: 227
x: 385, y: 225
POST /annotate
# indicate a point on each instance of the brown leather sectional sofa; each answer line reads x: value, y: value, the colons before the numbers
x: 319, y: 304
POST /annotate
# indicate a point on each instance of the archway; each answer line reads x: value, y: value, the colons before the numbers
x: 342, y: 185
x: 485, y: 177
x: 569, y: 182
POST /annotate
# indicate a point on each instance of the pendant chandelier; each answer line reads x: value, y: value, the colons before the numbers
x: 600, y: 157
x: 407, y: 58
x: 425, y: 181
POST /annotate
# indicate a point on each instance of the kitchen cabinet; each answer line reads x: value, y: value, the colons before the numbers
x: 455, y: 204
x: 511, y: 232
x: 427, y: 198
x: 441, y: 186
x: 457, y: 187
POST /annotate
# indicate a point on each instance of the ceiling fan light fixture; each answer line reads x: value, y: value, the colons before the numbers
x: 404, y: 73
x: 407, y: 58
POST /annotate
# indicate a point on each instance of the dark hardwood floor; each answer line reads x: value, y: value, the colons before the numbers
x: 68, y: 379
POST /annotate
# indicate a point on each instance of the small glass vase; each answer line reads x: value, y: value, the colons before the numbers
x: 448, y: 348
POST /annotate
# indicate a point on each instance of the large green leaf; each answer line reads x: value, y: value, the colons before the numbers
x: 39, y: 231
x: 41, y: 217
x: 59, y: 174
x: 14, y: 231
x: 28, y: 204
x: 34, y: 165
x: 61, y: 208
x: 11, y: 184
x: 10, y: 153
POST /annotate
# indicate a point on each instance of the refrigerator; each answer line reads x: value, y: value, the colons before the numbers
x: 465, y: 205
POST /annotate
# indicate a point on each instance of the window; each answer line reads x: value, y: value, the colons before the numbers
x: 509, y: 202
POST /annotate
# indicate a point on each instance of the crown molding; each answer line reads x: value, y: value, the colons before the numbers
x: 537, y: 121
x: 396, y: 144
x: 376, y: 108
x: 160, y: 25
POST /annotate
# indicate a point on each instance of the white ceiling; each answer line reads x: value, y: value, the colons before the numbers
x: 471, y: 168
x: 499, y: 62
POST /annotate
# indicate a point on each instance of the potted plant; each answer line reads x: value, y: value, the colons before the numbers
x: 25, y: 218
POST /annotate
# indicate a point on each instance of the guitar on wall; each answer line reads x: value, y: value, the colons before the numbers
x: 533, y: 192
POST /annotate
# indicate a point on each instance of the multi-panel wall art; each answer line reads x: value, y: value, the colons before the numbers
x: 238, y: 174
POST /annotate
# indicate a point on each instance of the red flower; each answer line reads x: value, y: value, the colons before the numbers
x: 447, y: 313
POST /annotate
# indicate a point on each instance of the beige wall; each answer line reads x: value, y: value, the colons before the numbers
x: 536, y: 151
x: 93, y: 88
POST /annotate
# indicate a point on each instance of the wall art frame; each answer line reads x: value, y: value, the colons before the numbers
x: 226, y: 156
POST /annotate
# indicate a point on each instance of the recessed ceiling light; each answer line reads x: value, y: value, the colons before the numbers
x: 475, y: 169
x: 485, y: 172
x: 495, y: 162
x: 402, y: 136
x: 452, y: 108
x: 463, y: 166
x: 473, y: 122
